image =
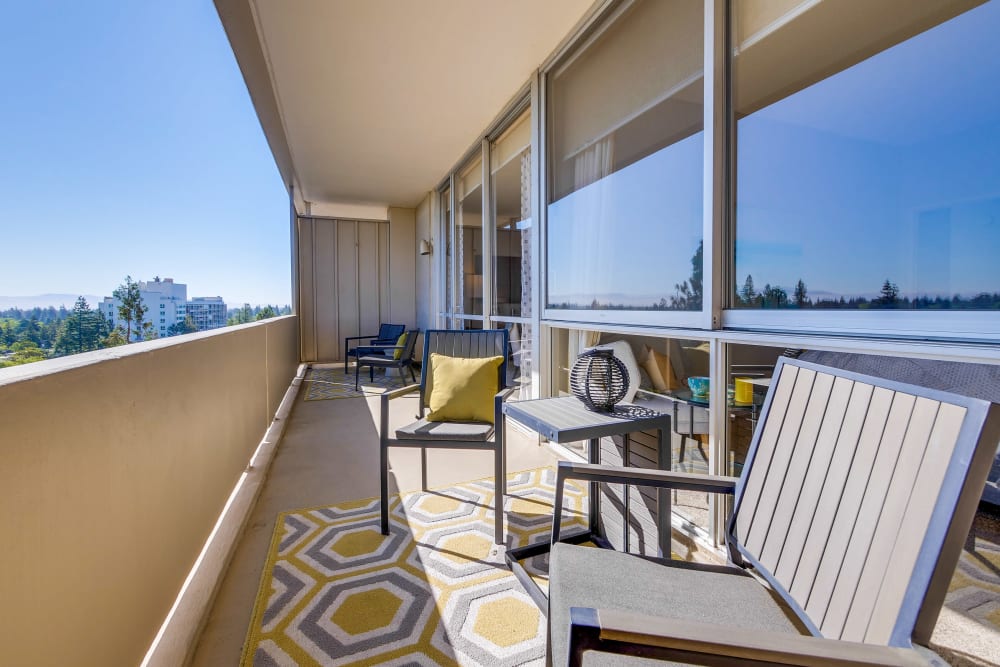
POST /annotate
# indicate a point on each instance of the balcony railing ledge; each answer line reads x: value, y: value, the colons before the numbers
x: 47, y: 367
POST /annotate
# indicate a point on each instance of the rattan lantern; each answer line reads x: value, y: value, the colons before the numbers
x: 599, y: 379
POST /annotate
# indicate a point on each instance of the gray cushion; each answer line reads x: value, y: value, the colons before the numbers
x: 425, y: 430
x: 601, y: 578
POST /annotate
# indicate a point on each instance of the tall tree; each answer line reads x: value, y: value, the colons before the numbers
x: 799, y: 295
x: 688, y: 294
x: 131, y: 309
x: 82, y: 330
x: 889, y: 295
x: 748, y: 294
x: 774, y: 297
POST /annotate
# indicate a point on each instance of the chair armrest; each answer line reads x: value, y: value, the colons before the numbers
x: 396, y: 393
x: 370, y: 337
x: 613, y: 631
x: 662, y: 479
x: 383, y: 417
x: 367, y: 349
x: 504, y: 394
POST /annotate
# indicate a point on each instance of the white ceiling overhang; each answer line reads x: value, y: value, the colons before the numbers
x: 373, y: 101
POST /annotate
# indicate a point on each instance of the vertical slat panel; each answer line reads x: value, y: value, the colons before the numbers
x: 307, y: 314
x: 347, y: 280
x: 829, y: 498
x: 914, y: 524
x: 765, y: 448
x: 868, y: 515
x: 328, y: 324
x: 846, y: 512
x: 368, y: 277
x: 812, y: 484
x: 897, y: 498
x: 805, y: 445
x: 385, y: 312
x: 783, y: 449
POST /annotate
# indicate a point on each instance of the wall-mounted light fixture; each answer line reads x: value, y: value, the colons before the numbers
x: 426, y: 247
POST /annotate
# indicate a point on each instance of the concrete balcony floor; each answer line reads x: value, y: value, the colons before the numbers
x: 329, y: 454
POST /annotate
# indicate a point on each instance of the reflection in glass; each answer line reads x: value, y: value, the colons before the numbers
x: 876, y: 187
x: 662, y: 367
x: 469, y: 240
x: 751, y: 367
x: 625, y: 215
x: 510, y: 170
x: 446, y: 228
x: 519, y: 356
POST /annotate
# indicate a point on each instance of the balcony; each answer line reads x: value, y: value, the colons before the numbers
x: 119, y: 488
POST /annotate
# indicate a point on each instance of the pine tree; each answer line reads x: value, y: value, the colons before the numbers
x: 799, y: 295
x: 748, y: 295
x: 82, y: 330
x: 131, y: 311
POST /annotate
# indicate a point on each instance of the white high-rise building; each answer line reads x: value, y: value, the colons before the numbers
x: 165, y: 301
x: 208, y: 312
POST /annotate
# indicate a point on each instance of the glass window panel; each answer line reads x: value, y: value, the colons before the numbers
x: 469, y: 240
x: 448, y: 268
x: 625, y: 214
x: 750, y: 368
x: 512, y: 249
x: 867, y: 146
x: 664, y: 367
x: 519, y: 356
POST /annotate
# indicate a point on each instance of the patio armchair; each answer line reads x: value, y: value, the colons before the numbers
x: 385, y: 356
x: 485, y: 432
x: 855, y: 500
x: 388, y: 334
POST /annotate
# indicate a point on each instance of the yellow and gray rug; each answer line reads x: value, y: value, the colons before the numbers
x: 325, y: 384
x: 434, y: 592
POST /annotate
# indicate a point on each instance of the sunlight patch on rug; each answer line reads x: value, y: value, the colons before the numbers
x: 434, y: 592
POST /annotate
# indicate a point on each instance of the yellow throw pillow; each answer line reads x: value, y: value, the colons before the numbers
x: 462, y: 389
x: 666, y: 370
x: 399, y: 343
x: 660, y: 371
x: 653, y: 371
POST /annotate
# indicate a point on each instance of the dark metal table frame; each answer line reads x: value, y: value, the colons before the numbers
x: 565, y: 419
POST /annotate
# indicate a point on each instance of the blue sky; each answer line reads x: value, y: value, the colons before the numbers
x: 130, y: 146
x: 886, y: 170
x: 889, y: 169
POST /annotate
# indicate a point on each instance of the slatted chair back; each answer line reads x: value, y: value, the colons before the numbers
x: 388, y: 334
x: 409, y: 345
x: 468, y: 344
x: 857, y: 496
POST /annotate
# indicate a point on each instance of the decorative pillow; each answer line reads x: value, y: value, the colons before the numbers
x: 399, y: 343
x: 666, y: 370
x: 623, y: 351
x: 645, y: 382
x: 655, y: 376
x: 462, y: 389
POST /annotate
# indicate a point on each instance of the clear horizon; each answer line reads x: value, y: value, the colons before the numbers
x: 131, y: 147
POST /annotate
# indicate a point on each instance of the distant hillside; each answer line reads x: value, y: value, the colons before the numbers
x: 45, y: 300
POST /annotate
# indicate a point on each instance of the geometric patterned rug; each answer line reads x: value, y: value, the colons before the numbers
x: 330, y: 383
x: 436, y: 591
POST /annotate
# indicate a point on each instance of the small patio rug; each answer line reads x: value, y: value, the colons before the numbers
x: 330, y: 383
x: 436, y: 591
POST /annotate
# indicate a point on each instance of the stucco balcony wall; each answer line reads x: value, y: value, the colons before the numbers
x: 115, y: 466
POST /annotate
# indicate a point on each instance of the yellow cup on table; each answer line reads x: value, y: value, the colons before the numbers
x: 744, y: 390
